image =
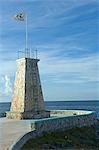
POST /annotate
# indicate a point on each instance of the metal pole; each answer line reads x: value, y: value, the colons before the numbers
x: 32, y: 53
x: 26, y: 35
x: 36, y: 53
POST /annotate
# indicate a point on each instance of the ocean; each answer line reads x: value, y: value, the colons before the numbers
x: 61, y: 105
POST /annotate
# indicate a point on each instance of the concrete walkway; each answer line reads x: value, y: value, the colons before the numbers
x: 11, y: 130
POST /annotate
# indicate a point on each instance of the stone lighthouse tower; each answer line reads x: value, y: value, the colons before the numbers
x: 27, y: 101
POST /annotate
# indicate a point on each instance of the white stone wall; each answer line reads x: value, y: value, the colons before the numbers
x: 17, y: 104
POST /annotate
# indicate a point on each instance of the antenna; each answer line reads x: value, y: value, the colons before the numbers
x: 36, y: 52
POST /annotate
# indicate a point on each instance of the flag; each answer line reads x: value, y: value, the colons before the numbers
x: 20, y: 17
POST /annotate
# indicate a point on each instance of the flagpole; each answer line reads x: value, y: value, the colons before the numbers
x: 26, y: 35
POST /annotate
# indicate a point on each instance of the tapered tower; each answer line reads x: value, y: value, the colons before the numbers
x: 27, y: 101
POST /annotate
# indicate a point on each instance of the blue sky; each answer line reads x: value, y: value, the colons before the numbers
x: 65, y: 34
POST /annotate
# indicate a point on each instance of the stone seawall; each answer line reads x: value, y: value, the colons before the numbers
x: 68, y: 119
x: 65, y: 121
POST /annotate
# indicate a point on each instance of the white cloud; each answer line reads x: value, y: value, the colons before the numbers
x: 64, y: 69
x: 8, y: 85
x: 45, y: 13
x: 5, y: 86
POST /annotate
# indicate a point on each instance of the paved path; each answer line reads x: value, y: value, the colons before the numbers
x: 11, y: 130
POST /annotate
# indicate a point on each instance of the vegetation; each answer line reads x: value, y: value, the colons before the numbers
x: 84, y: 138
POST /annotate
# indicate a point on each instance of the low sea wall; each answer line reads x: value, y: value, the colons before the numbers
x: 64, y: 120
x: 60, y: 120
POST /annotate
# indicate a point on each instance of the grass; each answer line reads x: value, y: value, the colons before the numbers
x: 76, y: 139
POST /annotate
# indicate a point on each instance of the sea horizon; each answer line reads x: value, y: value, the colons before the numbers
x: 91, y: 105
x: 56, y: 101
